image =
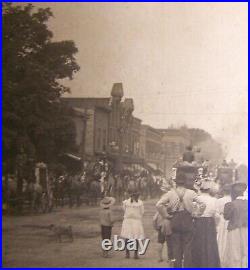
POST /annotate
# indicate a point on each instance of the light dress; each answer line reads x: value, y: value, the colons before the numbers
x: 222, y: 228
x: 132, y: 227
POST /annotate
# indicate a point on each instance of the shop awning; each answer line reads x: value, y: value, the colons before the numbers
x: 74, y: 157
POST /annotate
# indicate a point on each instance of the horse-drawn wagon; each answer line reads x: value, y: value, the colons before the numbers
x: 43, y: 186
x: 37, y: 193
x: 226, y: 175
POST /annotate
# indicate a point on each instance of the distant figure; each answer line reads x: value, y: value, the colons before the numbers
x: 188, y: 156
x: 224, y: 163
x: 199, y: 157
x: 206, y: 166
x: 232, y: 164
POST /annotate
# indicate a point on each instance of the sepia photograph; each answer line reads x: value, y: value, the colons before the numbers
x: 125, y: 135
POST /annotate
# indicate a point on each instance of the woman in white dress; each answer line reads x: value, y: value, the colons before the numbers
x: 222, y: 223
x: 132, y: 228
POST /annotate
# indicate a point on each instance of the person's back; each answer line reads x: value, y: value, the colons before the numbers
x: 237, y: 214
x: 179, y: 202
x: 188, y: 155
x: 173, y: 199
x: 211, y: 205
x: 133, y: 209
x: 199, y: 157
x: 106, y: 217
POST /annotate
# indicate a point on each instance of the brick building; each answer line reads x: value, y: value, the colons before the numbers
x: 111, y: 127
x: 80, y: 119
x: 151, y: 147
x: 96, y: 132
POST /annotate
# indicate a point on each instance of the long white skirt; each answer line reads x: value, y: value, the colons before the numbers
x: 132, y: 229
x: 222, y: 239
x: 237, y: 248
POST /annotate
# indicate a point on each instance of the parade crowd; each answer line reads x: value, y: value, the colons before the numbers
x: 76, y: 186
x: 202, y: 227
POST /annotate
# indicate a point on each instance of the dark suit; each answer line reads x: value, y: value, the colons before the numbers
x: 188, y: 156
x: 237, y: 214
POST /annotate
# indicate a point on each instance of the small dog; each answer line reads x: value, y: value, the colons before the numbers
x: 60, y: 231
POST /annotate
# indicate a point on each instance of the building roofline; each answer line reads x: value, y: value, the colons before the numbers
x: 85, y: 98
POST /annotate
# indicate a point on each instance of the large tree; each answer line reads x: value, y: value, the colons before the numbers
x: 35, y: 124
x: 211, y: 149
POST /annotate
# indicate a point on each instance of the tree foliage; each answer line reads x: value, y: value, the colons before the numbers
x: 199, y: 135
x: 211, y: 149
x: 34, y: 120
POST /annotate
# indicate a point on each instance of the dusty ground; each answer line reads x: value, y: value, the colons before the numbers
x: 27, y: 244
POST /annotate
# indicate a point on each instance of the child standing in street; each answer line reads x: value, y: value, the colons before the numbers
x: 106, y: 220
x: 132, y: 228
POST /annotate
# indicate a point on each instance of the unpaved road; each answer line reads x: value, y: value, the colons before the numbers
x: 27, y: 244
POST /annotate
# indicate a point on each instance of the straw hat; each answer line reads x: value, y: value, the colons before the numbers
x: 106, y: 202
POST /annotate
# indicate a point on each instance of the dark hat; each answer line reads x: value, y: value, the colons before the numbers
x: 239, y: 187
x: 180, y: 178
x: 134, y: 192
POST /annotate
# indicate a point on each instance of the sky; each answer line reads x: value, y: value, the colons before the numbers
x: 182, y: 63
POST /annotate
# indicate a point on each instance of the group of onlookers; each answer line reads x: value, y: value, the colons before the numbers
x: 200, y: 230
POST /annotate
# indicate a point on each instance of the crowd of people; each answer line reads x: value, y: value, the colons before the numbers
x: 87, y: 185
x: 92, y: 184
x: 200, y: 230
x: 202, y: 227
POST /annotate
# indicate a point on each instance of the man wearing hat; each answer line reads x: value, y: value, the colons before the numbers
x: 236, y: 212
x: 106, y: 219
x: 180, y: 205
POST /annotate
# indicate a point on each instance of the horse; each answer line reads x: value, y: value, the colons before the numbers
x: 119, y: 189
x: 143, y: 187
x: 75, y: 191
x: 10, y: 193
x: 94, y: 191
x: 60, y: 187
x: 33, y: 193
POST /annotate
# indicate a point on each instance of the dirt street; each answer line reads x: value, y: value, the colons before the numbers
x: 27, y: 244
